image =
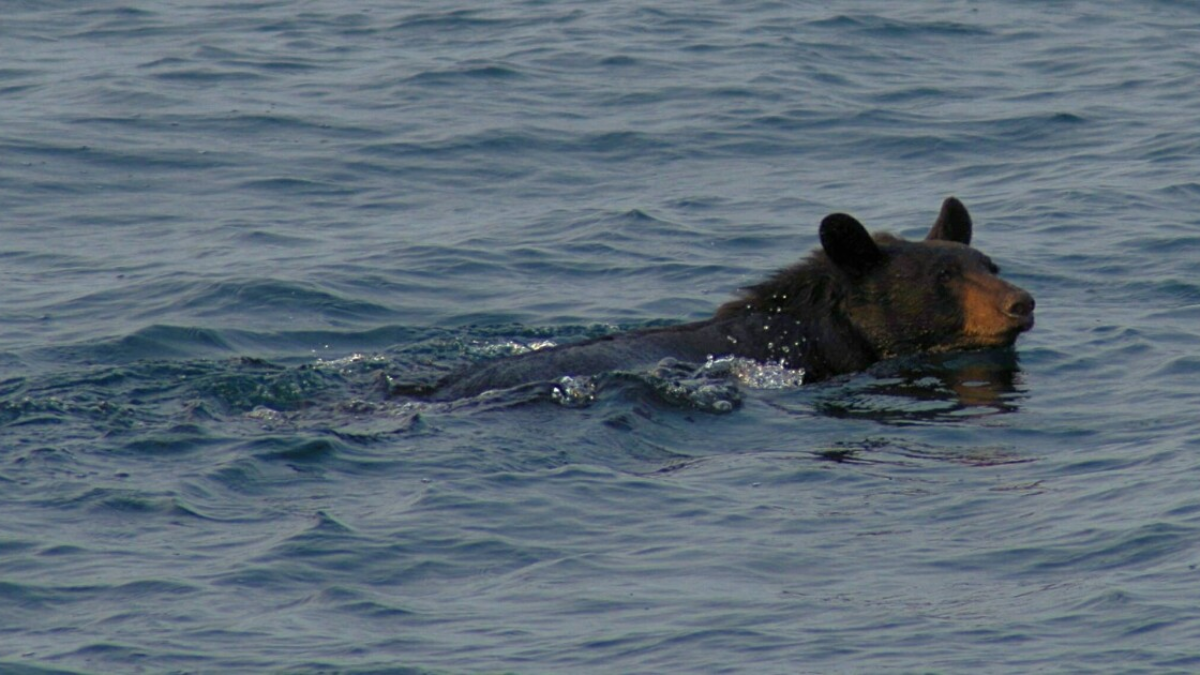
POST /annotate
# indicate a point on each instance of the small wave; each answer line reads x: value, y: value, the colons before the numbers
x: 296, y: 449
x: 702, y: 393
x: 889, y: 28
x: 468, y: 71
x: 209, y: 75
x: 273, y: 297
x: 296, y: 186
x: 673, y: 382
x: 461, y: 19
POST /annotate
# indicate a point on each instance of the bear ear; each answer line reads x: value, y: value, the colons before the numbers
x: 952, y: 224
x: 848, y: 244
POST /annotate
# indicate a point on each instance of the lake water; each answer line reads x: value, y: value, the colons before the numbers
x: 228, y: 227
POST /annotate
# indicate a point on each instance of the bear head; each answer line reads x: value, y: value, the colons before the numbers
x: 934, y: 295
x: 861, y: 298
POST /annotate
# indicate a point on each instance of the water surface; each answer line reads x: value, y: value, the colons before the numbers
x: 228, y: 228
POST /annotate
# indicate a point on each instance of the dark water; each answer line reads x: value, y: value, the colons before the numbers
x: 228, y: 227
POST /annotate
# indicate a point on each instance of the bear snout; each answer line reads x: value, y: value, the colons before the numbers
x: 1020, y: 307
x: 994, y: 311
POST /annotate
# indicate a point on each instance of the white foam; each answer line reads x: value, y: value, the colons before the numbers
x: 574, y: 392
x: 347, y: 361
x: 755, y: 374
x: 509, y: 348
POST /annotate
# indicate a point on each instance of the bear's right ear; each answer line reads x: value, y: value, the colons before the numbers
x: 848, y: 244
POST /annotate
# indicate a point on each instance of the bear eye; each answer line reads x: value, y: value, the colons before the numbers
x: 944, y: 275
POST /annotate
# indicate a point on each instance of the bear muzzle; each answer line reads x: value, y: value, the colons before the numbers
x: 1020, y: 309
x: 995, y: 312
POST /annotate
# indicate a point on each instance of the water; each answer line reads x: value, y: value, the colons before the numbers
x: 227, y: 229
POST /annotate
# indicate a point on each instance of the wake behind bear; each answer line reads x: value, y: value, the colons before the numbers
x: 855, y: 301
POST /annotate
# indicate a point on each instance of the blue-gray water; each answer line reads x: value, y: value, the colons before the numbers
x: 225, y: 226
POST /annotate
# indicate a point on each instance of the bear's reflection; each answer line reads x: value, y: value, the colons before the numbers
x: 930, y: 389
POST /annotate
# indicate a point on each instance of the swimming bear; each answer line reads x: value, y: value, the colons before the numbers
x: 856, y: 300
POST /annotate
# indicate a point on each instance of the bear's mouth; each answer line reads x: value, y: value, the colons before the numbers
x: 1018, y: 323
x: 1002, y: 332
x: 1024, y: 322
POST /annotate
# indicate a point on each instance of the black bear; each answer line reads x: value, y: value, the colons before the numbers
x: 855, y: 301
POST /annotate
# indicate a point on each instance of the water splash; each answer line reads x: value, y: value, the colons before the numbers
x: 496, y: 350
x: 754, y: 374
x: 574, y: 392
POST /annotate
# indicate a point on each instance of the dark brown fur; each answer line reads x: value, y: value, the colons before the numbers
x: 857, y: 300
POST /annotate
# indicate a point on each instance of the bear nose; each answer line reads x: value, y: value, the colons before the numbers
x: 1021, y: 305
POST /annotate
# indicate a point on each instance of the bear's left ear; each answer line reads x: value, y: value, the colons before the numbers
x: 848, y: 244
x: 953, y: 223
